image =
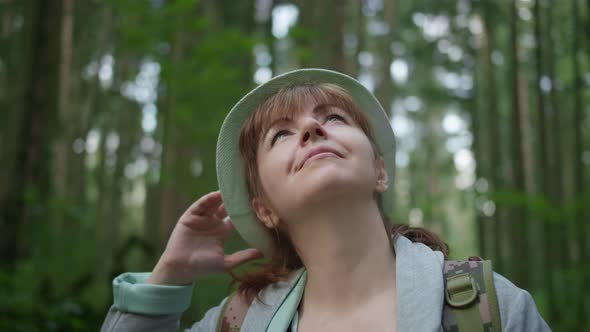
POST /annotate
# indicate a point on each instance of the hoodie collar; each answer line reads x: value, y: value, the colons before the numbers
x: 419, y: 284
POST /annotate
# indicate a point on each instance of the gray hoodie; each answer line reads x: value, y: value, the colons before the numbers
x: 420, y: 287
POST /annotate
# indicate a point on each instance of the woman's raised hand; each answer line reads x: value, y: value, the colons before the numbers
x: 195, y: 247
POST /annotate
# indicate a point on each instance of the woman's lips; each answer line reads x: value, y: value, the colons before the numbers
x: 317, y: 153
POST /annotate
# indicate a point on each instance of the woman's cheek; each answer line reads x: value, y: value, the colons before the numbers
x: 271, y: 170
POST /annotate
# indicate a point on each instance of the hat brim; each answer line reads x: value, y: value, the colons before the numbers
x: 230, y: 166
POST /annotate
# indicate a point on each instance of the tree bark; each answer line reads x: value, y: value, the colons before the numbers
x: 326, y: 49
x: 493, y: 120
x: 7, y: 19
x: 68, y: 166
x: 355, y: 28
x: 11, y: 85
x: 306, y: 21
x: 578, y: 121
x: 172, y: 202
x: 337, y: 40
x: 578, y: 225
x: 384, y: 90
x: 477, y: 146
x: 63, y: 147
x: 519, y: 216
x: 543, y: 165
x: 28, y: 197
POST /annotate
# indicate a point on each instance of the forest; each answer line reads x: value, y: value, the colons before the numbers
x: 110, y: 111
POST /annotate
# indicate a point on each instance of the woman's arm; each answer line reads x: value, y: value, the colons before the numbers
x: 139, y: 306
x: 122, y: 321
x: 155, y: 302
x: 119, y: 321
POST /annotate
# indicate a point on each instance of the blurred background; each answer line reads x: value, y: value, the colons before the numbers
x: 110, y: 110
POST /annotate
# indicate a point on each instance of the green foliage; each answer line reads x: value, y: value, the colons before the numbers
x: 113, y: 210
x: 28, y: 304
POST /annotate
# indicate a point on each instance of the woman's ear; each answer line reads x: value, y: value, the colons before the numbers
x: 265, y: 214
x: 382, y: 179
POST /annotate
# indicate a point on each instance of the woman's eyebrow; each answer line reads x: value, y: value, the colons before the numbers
x: 321, y: 108
x: 277, y: 121
x: 274, y: 123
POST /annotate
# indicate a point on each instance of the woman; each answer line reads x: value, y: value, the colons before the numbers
x: 305, y: 167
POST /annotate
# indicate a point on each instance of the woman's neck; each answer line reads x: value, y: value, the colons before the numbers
x: 347, y: 254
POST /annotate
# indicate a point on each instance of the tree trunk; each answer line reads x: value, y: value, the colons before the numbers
x: 355, y: 28
x: 69, y: 147
x: 326, y: 49
x: 307, y: 8
x: 519, y: 216
x: 478, y: 103
x: 337, y: 41
x: 171, y: 199
x: 578, y: 121
x: 544, y: 167
x: 151, y: 217
x: 6, y: 21
x: 384, y: 90
x: 64, y: 144
x: 493, y: 119
x: 558, y: 254
x: 28, y: 197
x: 11, y: 85
x: 578, y: 225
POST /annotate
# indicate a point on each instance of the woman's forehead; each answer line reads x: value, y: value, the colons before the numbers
x: 288, y: 105
x: 314, y: 109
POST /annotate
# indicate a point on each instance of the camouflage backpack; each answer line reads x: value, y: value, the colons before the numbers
x: 470, y: 300
x: 470, y: 297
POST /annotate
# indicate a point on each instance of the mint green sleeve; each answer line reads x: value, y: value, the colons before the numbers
x: 132, y: 294
x: 141, y: 307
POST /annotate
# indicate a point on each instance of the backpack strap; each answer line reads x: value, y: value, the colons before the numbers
x: 470, y: 297
x: 233, y: 313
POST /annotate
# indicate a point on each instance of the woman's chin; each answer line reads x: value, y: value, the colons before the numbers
x: 325, y: 183
x: 322, y: 173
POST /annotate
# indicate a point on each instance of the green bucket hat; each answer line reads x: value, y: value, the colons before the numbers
x: 230, y: 166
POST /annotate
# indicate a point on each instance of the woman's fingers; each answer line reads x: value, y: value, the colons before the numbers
x: 206, y: 205
x: 241, y: 257
x: 227, y: 227
x: 221, y: 213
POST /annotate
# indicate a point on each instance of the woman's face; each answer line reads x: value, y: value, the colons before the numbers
x: 309, y: 160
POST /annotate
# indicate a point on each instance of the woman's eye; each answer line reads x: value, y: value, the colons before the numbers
x: 335, y: 117
x: 278, y: 135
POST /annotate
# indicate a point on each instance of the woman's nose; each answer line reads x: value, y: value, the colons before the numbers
x: 312, y: 131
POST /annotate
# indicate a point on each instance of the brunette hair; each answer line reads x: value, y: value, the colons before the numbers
x: 284, y: 105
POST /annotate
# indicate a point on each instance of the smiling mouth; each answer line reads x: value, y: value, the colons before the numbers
x: 319, y: 155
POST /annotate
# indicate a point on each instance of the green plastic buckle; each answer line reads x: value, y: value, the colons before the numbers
x: 461, y: 290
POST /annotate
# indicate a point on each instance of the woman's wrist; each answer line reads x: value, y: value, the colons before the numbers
x: 164, y: 274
